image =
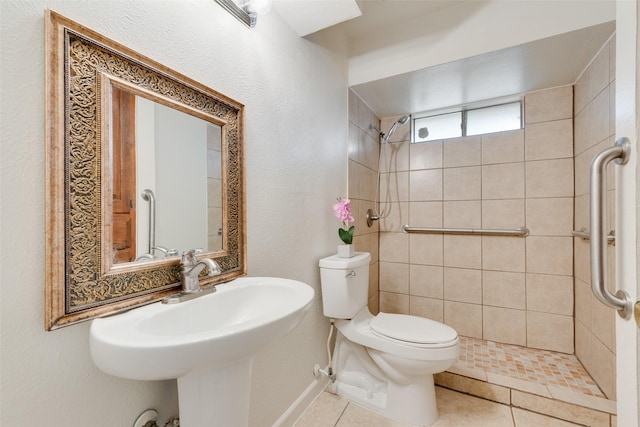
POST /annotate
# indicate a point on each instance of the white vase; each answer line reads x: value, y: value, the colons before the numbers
x: 346, y: 251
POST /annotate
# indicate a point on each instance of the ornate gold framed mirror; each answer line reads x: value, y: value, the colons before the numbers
x: 143, y: 163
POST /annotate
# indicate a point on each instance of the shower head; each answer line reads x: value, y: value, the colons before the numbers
x: 401, y: 121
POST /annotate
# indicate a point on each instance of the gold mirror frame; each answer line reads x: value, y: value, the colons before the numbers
x: 81, y: 281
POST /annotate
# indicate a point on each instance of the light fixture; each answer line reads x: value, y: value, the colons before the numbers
x: 246, y: 11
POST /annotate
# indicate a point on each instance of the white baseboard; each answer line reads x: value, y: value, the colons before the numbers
x: 297, y: 408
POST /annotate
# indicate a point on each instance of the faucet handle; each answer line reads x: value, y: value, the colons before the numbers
x: 189, y: 258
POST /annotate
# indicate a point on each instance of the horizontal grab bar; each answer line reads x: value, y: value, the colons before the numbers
x: 520, y: 232
x: 584, y: 234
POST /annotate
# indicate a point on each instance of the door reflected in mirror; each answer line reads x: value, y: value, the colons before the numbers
x: 167, y: 180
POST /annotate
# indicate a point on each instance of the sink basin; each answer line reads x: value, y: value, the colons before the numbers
x: 207, y: 343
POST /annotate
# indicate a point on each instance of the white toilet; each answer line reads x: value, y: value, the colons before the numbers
x: 385, y: 362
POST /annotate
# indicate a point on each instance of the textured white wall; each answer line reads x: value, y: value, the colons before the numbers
x: 296, y: 162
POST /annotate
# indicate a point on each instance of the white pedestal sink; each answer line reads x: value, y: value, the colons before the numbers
x: 207, y: 343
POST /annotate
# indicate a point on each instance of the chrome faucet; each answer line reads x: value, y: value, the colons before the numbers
x: 190, y: 269
x: 165, y: 251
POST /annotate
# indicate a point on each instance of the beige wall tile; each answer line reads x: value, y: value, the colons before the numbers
x: 549, y: 140
x: 549, y: 104
x: 394, y: 187
x: 463, y: 251
x: 599, y: 78
x: 394, y: 247
x: 462, y: 183
x: 374, y: 280
x: 462, y: 152
x: 374, y: 304
x: 353, y: 106
x: 550, y: 294
x: 549, y: 255
x: 465, y: 214
x: 464, y: 285
x: 503, y: 253
x: 503, y: 289
x: 549, y: 178
x: 394, y: 303
x: 602, y: 368
x: 426, y: 281
x: 612, y: 108
x: 581, y: 91
x: 603, y: 321
x: 504, y: 325
x: 582, y: 164
x: 365, y: 117
x: 425, y: 214
x: 583, y: 294
x: 425, y: 185
x: 550, y: 332
x: 393, y: 216
x: 426, y: 249
x: 503, y: 147
x: 503, y: 213
x: 581, y: 212
x: 583, y: 344
x: 581, y: 129
x: 427, y: 307
x: 465, y: 318
x: 550, y: 217
x: 503, y: 181
x: 394, y: 277
x: 582, y: 259
x: 599, y: 118
x: 425, y: 155
x: 395, y: 156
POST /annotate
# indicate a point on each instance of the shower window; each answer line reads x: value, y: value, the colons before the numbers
x: 473, y: 121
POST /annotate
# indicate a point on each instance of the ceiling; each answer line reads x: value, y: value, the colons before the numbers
x: 408, y: 56
x: 550, y: 62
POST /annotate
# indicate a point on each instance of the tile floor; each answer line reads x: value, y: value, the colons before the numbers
x: 484, y: 360
x: 544, y: 367
x: 456, y: 410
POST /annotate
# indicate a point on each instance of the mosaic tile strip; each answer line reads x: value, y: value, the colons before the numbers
x: 527, y: 364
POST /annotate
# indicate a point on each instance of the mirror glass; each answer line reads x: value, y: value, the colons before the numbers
x: 167, y: 180
x: 126, y: 134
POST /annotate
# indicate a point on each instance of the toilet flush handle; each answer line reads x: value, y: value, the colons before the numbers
x: 351, y: 274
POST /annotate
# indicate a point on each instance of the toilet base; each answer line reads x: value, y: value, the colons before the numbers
x: 410, y: 404
x: 359, y: 380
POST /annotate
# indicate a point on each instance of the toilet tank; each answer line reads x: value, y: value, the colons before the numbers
x: 345, y: 284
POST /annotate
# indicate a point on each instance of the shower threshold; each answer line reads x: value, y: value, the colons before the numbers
x: 542, y: 381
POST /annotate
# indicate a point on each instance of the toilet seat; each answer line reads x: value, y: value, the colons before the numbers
x: 413, y: 330
x: 358, y: 330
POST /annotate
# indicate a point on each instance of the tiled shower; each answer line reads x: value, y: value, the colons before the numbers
x: 531, y: 291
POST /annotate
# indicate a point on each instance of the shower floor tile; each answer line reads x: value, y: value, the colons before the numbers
x: 547, y: 368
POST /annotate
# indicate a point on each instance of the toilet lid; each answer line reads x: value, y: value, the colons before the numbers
x: 412, y: 329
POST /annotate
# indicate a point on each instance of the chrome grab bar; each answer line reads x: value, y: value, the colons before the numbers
x: 520, y: 232
x: 151, y: 198
x: 585, y: 234
x: 621, y: 301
